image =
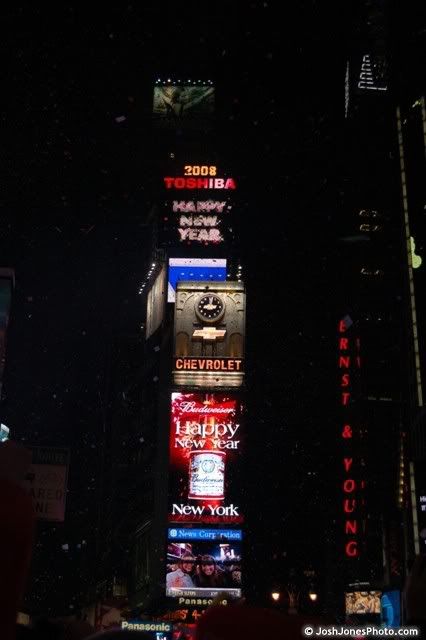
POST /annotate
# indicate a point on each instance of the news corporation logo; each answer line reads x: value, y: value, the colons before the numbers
x: 173, y: 533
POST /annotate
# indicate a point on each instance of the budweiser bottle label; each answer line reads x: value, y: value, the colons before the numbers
x: 206, y: 475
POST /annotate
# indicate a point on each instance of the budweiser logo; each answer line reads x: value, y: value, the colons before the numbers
x: 193, y: 407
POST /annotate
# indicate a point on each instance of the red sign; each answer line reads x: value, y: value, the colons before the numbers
x: 199, y: 183
x: 205, y: 453
x: 208, y: 364
x: 349, y: 363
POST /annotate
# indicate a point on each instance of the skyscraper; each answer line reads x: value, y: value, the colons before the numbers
x: 409, y: 27
x: 371, y: 328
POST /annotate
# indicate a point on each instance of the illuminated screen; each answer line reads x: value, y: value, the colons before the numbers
x: 391, y: 609
x: 155, y: 303
x: 176, y: 105
x: 362, y: 602
x: 184, y: 631
x: 206, y: 443
x: 202, y: 269
x: 203, y: 569
x: 4, y: 433
x: 197, y: 222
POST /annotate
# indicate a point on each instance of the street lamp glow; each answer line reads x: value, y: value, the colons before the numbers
x: 313, y: 596
x: 275, y: 595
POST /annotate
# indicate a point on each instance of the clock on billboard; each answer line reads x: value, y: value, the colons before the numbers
x: 210, y: 308
x: 209, y: 334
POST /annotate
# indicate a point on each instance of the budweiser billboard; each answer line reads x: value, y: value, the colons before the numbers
x: 205, y: 458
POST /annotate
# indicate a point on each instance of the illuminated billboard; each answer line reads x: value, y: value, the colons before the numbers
x: 199, y: 269
x: 183, y: 631
x: 4, y: 433
x: 206, y: 442
x: 203, y: 569
x: 196, y: 222
x: 209, y: 334
x: 155, y: 303
x: 47, y: 480
x: 156, y: 630
x: 391, y: 609
x: 362, y: 602
x: 188, y: 105
x: 196, y: 177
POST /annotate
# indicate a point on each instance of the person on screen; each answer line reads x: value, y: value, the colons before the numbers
x: 182, y: 577
x: 207, y: 574
x: 372, y: 603
x: 236, y: 577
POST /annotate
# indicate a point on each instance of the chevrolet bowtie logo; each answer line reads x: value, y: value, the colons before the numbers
x: 210, y: 334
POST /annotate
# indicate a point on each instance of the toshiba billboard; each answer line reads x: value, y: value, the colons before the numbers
x: 206, y: 441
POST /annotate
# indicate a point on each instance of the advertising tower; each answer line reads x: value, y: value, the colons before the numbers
x: 195, y: 323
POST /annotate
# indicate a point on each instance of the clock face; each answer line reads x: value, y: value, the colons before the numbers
x: 210, y: 307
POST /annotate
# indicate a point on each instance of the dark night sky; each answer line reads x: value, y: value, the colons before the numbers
x: 77, y: 187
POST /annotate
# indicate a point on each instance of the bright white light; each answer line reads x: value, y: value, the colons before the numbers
x: 275, y: 595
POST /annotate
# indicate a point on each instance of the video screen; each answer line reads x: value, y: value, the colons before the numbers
x: 176, y: 105
x: 206, y: 446
x: 184, y: 631
x: 203, y: 568
x: 193, y: 269
x: 362, y: 602
x: 391, y: 609
x: 4, y: 433
x: 200, y: 222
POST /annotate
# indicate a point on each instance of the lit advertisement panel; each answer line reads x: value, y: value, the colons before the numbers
x: 391, y: 609
x: 184, y: 631
x: 156, y: 630
x: 200, y: 269
x: 176, y: 533
x: 200, y: 177
x: 203, y: 569
x: 4, y: 433
x: 362, y: 602
x: 196, y: 222
x: 155, y: 303
x: 206, y: 442
x: 177, y: 105
x: 209, y: 334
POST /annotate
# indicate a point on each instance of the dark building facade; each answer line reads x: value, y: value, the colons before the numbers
x: 379, y: 328
x: 7, y: 283
x: 409, y: 28
x: 372, y: 325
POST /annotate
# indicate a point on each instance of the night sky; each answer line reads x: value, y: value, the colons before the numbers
x: 80, y: 173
